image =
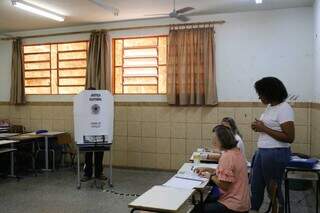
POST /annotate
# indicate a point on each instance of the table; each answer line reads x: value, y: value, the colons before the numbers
x: 170, y: 199
x: 161, y: 199
x: 203, y: 160
x: 27, y: 137
x: 7, y: 135
x: 46, y: 136
x: 315, y: 170
x: 11, y: 142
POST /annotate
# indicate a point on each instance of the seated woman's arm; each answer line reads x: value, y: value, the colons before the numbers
x: 201, y: 170
x: 224, y: 185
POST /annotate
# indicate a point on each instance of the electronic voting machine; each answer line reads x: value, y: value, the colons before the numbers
x: 93, y: 118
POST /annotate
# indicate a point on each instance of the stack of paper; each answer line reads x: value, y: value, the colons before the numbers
x: 182, y: 183
x: 190, y: 175
x: 185, y: 180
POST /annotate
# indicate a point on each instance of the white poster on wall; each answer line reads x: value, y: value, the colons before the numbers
x: 93, y: 117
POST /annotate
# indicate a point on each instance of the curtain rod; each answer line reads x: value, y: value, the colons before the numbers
x: 116, y: 29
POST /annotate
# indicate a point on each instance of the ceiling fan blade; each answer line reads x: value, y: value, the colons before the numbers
x: 182, y: 18
x: 184, y: 10
x: 173, y: 14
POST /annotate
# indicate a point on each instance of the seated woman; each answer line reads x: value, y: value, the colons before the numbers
x: 231, y: 176
x: 228, y: 122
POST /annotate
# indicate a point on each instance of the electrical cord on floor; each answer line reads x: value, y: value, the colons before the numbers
x: 121, y: 194
x: 110, y: 191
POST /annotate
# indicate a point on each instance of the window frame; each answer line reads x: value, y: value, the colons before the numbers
x: 123, y: 57
x: 57, y: 66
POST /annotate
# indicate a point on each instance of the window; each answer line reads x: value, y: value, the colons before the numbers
x: 140, y: 65
x: 55, y: 68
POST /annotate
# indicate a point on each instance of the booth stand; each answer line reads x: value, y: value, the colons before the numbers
x: 94, y: 150
x: 93, y: 126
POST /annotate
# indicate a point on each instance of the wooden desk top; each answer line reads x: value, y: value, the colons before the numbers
x: 50, y: 134
x: 7, y: 150
x: 161, y: 198
x: 27, y: 136
x: 6, y: 142
x: 7, y: 135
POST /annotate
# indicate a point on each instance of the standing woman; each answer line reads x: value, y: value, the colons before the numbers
x: 276, y: 133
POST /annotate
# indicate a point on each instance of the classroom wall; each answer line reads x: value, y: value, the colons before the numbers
x: 315, y: 112
x: 151, y: 134
x: 249, y: 46
x: 154, y: 135
x: 316, y: 36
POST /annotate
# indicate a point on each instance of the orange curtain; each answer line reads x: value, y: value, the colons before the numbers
x: 98, y: 74
x: 191, y: 78
x: 17, y: 92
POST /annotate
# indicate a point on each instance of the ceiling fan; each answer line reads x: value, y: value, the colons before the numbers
x: 178, y: 14
x: 106, y: 6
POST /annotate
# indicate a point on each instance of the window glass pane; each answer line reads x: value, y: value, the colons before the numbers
x: 162, y: 79
x: 140, y: 89
x: 138, y: 42
x: 140, y: 81
x: 35, y: 66
x: 37, y: 90
x: 37, y: 57
x: 131, y: 53
x: 37, y: 82
x: 75, y: 72
x: 51, y: 78
x: 70, y: 90
x: 36, y: 48
x: 72, y: 64
x: 162, y: 50
x: 118, y: 80
x: 140, y: 62
x: 72, y: 46
x: 37, y: 74
x: 72, y: 81
x: 140, y: 71
x: 54, y: 58
x: 118, y: 53
x: 54, y: 81
x: 72, y: 55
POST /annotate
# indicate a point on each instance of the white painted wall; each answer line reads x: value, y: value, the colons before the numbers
x: 316, y: 78
x: 249, y: 46
x: 5, y: 66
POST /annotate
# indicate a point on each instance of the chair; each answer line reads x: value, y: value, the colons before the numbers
x: 67, y: 143
x: 40, y: 149
x: 16, y: 129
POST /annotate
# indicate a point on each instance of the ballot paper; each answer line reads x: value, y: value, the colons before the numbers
x: 182, y: 183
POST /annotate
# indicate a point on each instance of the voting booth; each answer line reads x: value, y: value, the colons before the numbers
x: 93, y: 112
x: 93, y: 118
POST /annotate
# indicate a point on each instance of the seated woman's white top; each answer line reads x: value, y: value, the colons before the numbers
x: 240, y: 144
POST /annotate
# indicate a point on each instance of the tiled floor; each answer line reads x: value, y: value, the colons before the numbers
x: 56, y: 193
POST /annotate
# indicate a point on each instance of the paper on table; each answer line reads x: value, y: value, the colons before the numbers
x: 190, y: 175
x: 182, y: 183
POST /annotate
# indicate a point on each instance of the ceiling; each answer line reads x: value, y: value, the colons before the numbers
x: 81, y: 12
